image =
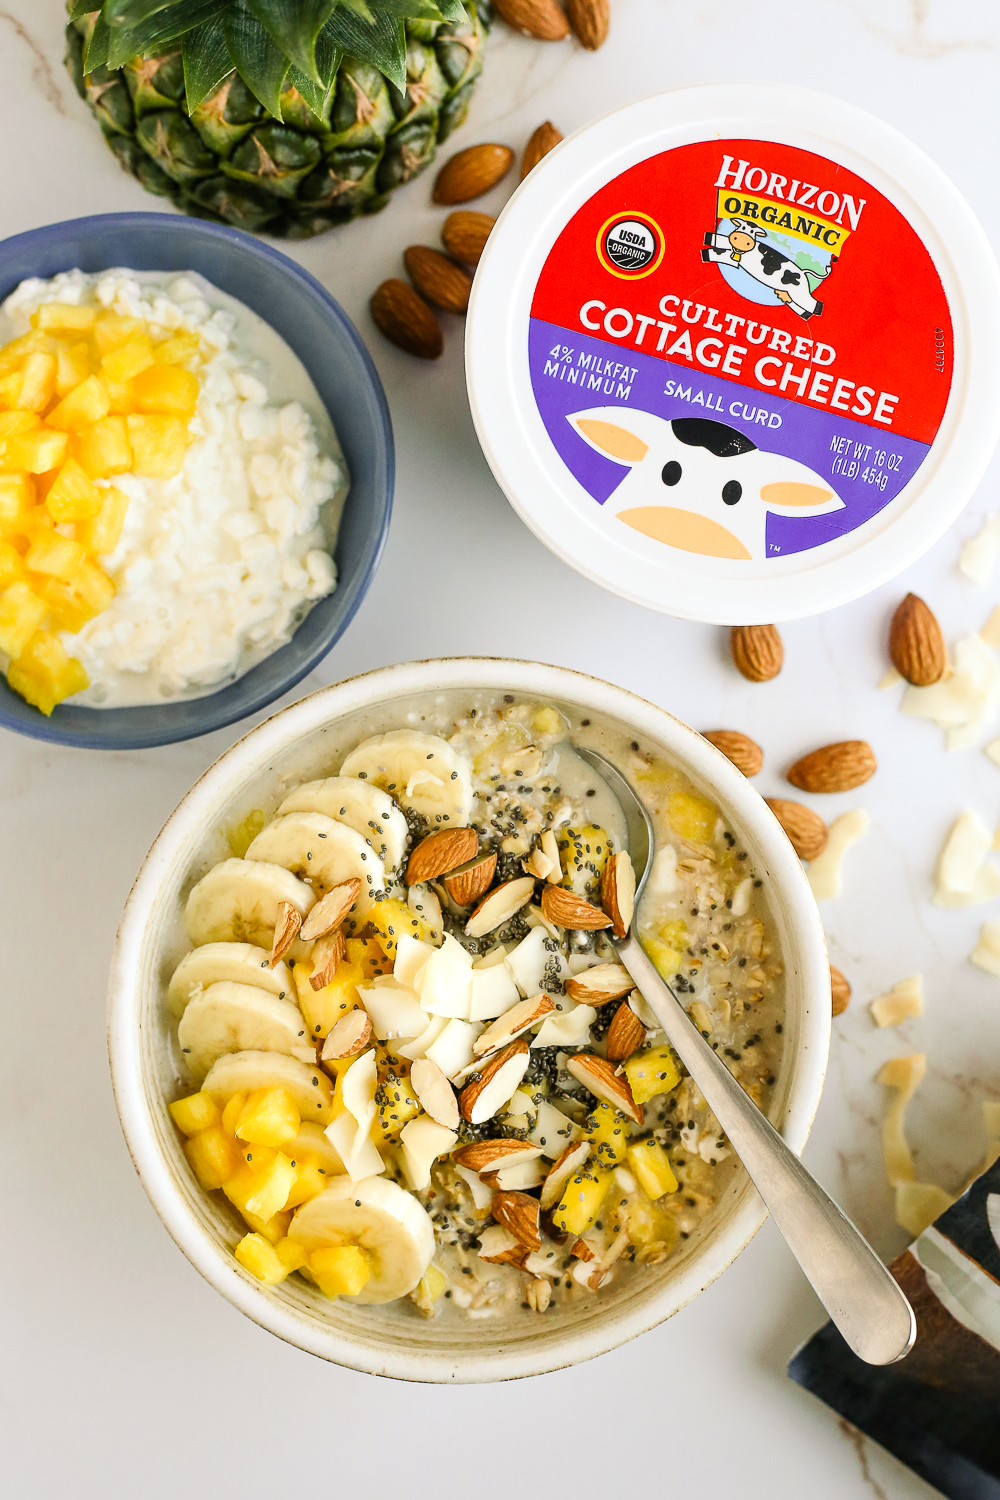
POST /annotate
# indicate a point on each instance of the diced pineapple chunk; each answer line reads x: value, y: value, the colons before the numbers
x: 231, y: 1112
x: 651, y: 1165
x: 322, y: 1008
x: 119, y: 395
x: 51, y: 552
x: 340, y: 1270
x: 397, y: 1103
x: 73, y: 604
x: 429, y: 1288
x: 38, y: 382
x: 608, y: 1130
x: 44, y: 674
x: 692, y: 817
x: 667, y: 959
x: 581, y: 1201
x: 158, y: 444
x: 100, y: 535
x: 291, y: 1254
x: 11, y: 386
x: 84, y: 405
x: 111, y: 330
x: 178, y: 349
x: 261, y: 1259
x: 195, y: 1113
x: 11, y: 565
x: 14, y: 423
x: 547, y: 721
x: 72, y: 367
x: 103, y: 448
x: 21, y: 613
x: 584, y: 852
x: 213, y: 1157
x: 650, y: 1072
x: 165, y: 388
x: 648, y: 1225
x: 128, y: 359
x: 239, y: 1188
x: 272, y: 1187
x: 309, y: 1182
x: 368, y: 956
x: 35, y: 342
x: 63, y: 317
x: 72, y: 496
x: 392, y: 917
x: 37, y: 451
x: 17, y: 495
x: 269, y: 1118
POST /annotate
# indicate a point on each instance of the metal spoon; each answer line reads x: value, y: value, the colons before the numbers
x: 856, y: 1289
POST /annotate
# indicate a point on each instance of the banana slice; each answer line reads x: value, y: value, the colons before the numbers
x: 325, y: 852
x: 243, y: 963
x: 361, y: 806
x: 242, y: 1072
x: 312, y: 1138
x: 238, y: 900
x: 423, y: 773
x: 381, y: 1217
x: 230, y: 1017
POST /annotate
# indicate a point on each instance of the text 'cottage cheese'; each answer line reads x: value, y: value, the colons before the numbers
x: 217, y: 566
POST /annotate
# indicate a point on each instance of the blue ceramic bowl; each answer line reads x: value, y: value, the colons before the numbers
x: 328, y: 344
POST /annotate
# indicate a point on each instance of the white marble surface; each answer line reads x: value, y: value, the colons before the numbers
x: 123, y: 1373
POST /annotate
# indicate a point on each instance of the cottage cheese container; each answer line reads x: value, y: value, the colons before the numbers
x: 734, y: 352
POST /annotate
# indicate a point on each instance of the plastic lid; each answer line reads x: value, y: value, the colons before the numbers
x: 734, y: 352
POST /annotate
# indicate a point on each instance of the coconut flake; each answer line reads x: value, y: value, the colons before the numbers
x: 903, y: 1074
x: 986, y: 954
x: 903, y: 1001
x: 825, y: 870
x: 446, y: 981
x: 423, y: 1140
x: 394, y: 1009
x: 978, y: 556
x: 566, y: 1028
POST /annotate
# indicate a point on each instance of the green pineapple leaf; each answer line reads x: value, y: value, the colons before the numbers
x: 257, y: 57
x: 206, y: 61
x: 425, y: 10
x: 78, y: 8
x: 318, y: 96
x: 380, y: 41
x: 95, y: 52
x: 294, y: 25
x: 158, y: 31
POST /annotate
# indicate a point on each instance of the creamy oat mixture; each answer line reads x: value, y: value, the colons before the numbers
x: 421, y: 1072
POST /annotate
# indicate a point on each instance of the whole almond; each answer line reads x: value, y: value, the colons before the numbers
x: 916, y: 645
x: 834, y: 768
x: 590, y: 20
x: 518, y: 1213
x: 805, y: 829
x: 565, y: 909
x: 406, y: 320
x: 745, y: 754
x: 465, y: 233
x: 440, y: 852
x: 437, y: 278
x: 472, y: 172
x: 757, y: 651
x: 470, y: 882
x: 840, y: 991
x: 542, y: 19
x: 540, y: 143
x: 626, y: 1034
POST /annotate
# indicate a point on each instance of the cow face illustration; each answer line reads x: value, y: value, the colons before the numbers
x: 699, y: 485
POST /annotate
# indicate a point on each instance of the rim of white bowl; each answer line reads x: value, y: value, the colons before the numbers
x: 487, y: 1359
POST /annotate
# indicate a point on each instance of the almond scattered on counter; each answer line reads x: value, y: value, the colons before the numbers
x: 757, y: 651
x: 590, y: 20
x: 464, y: 234
x: 540, y: 143
x: 745, y: 754
x: 437, y: 278
x: 805, y: 829
x: 472, y: 172
x: 542, y: 19
x: 405, y: 319
x: 840, y: 991
x: 834, y: 768
x: 916, y: 645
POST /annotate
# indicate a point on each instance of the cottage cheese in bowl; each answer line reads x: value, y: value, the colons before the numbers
x: 216, y: 565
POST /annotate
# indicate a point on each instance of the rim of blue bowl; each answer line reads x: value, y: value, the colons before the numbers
x: 147, y: 725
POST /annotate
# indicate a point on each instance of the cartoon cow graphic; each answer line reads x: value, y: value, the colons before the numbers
x: 744, y: 246
x: 699, y: 485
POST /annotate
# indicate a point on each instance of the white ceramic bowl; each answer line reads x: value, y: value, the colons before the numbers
x: 390, y: 1340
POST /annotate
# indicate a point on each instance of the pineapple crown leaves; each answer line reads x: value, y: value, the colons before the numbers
x: 274, y: 45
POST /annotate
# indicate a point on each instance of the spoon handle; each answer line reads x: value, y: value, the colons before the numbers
x: 856, y: 1289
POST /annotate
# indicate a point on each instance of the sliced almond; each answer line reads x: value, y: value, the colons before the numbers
x: 326, y: 955
x: 480, y: 1100
x: 566, y: 909
x: 518, y: 1213
x: 520, y: 1017
x: 600, y: 984
x: 440, y: 852
x: 537, y: 865
x: 331, y: 911
x: 486, y: 1156
x: 348, y: 1036
x: 626, y: 1034
x: 550, y: 848
x: 471, y: 881
x: 500, y: 1248
x: 434, y: 1092
x: 580, y: 1250
x: 286, y: 929
x: 618, y: 892
x: 571, y: 1160
x: 499, y: 906
x: 600, y: 1077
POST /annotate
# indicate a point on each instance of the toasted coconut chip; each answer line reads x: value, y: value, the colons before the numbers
x: 824, y: 870
x: 903, y: 1001
x: 905, y: 1075
x: 434, y: 1092
x: 518, y: 1213
x: 600, y: 984
x: 348, y: 1036
x: 525, y: 1014
x: 599, y: 1076
x: 571, y: 1160
x: 331, y: 911
x: 550, y: 848
x: 618, y: 892
x: 326, y: 955
x: 499, y: 906
x: 286, y: 929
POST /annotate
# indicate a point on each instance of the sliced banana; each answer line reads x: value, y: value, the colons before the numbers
x: 242, y: 1072
x: 324, y: 852
x: 380, y: 1216
x: 361, y: 806
x: 230, y: 1017
x: 243, y: 963
x: 238, y: 900
x: 421, y: 771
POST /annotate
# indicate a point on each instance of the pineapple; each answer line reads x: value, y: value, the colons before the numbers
x: 277, y: 118
x: 340, y: 1270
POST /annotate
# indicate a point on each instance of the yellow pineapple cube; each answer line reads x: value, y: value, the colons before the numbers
x: 269, y: 1118
x: 195, y: 1113
x: 608, y: 1130
x: 366, y: 955
x: 21, y: 613
x: 13, y: 353
x: 213, y: 1157
x: 17, y: 496
x: 322, y: 1008
x: 648, y: 1225
x: 178, y: 349
x: 651, y: 1166
x: 692, y: 817
x: 63, y: 317
x: 584, y: 851
x: 581, y: 1200
x: 111, y: 331
x: 14, y: 423
x: 38, y: 382
x: 392, y: 917
x: 240, y: 1188
x: 44, y: 674
x: 11, y: 565
x: 340, y: 1270
x: 272, y: 1187
x: 397, y: 1103
x: 261, y: 1259
x: 51, y: 552
x: 103, y: 448
x: 72, y: 367
x: 159, y: 445
x: 101, y: 533
x: 11, y: 386
x: 84, y: 405
x: 666, y: 959
x: 548, y: 721
x: 73, y: 604
x: 119, y: 396
x: 650, y: 1072
x: 309, y: 1182
x: 429, y: 1288
x: 231, y: 1112
x: 291, y: 1254
x: 126, y: 361
x: 72, y: 496
x: 164, y: 388
x: 38, y: 451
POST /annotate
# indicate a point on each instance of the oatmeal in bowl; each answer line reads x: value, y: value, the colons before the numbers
x: 378, y: 1063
